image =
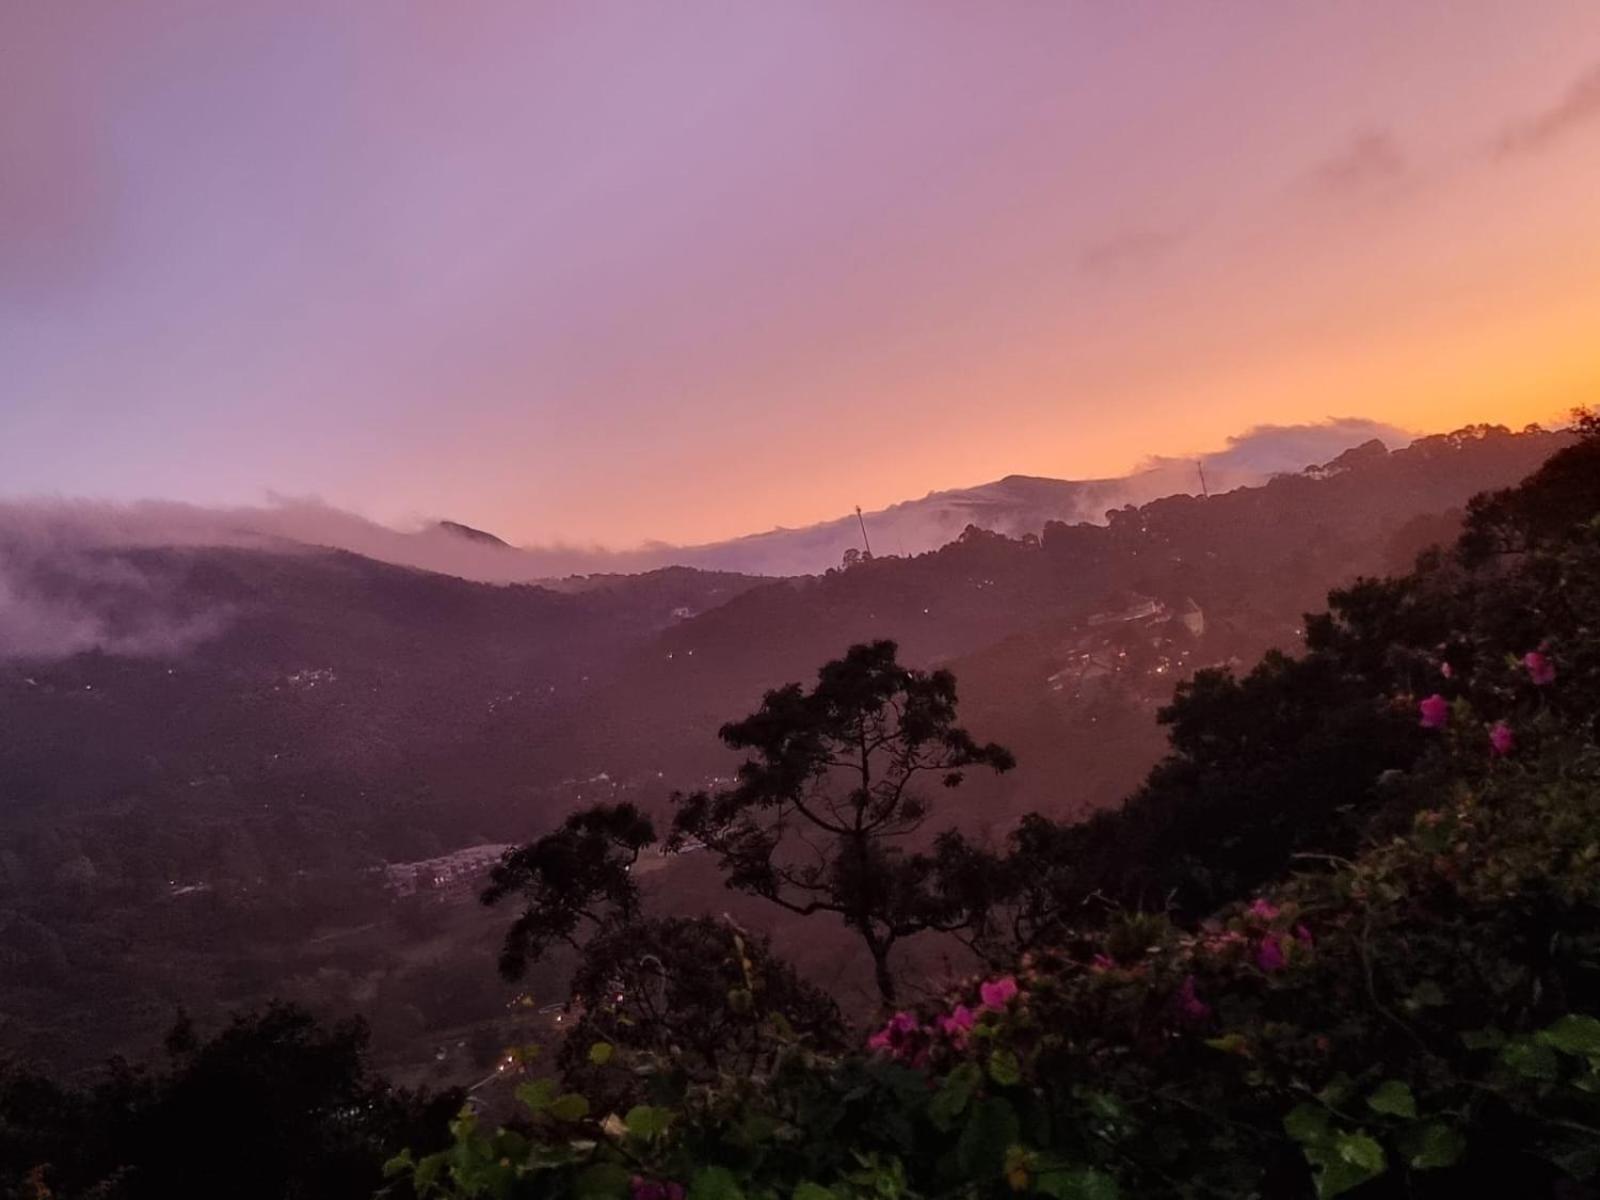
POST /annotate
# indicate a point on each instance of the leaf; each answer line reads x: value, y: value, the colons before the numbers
x: 1393, y: 1098
x: 536, y: 1094
x: 1574, y: 1034
x: 398, y: 1165
x: 570, y: 1107
x: 1230, y: 1043
x: 1531, y: 1060
x: 1345, y: 1161
x: 602, y: 1180
x: 1337, y: 1177
x: 600, y: 1053
x: 1488, y: 1038
x: 1077, y: 1183
x: 715, y: 1183
x: 1018, y: 1167
x: 813, y: 1191
x: 427, y: 1171
x: 950, y: 1101
x: 1431, y: 1145
x: 646, y: 1122
x: 1359, y: 1150
x: 990, y: 1129
x: 1306, y: 1124
x: 1004, y: 1068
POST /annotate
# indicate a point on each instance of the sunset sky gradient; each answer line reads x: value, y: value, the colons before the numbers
x: 611, y: 272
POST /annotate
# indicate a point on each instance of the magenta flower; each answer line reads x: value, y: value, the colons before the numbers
x: 1435, y: 711
x: 996, y: 994
x: 1501, y: 740
x: 893, y: 1035
x: 1102, y: 962
x: 1189, y: 1003
x: 1263, y: 909
x: 1269, y: 955
x: 1540, y: 669
x: 958, y: 1023
x: 1303, y: 936
x: 651, y: 1189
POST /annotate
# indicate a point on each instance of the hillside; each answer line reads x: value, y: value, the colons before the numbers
x: 1067, y: 641
x: 207, y: 819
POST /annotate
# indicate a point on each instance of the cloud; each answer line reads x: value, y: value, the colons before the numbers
x: 1371, y: 159
x: 1129, y: 248
x: 1254, y: 456
x: 1579, y: 105
x: 71, y: 579
x: 57, y: 601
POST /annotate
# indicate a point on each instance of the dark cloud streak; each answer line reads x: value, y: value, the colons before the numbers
x: 1578, y: 106
x: 1371, y: 159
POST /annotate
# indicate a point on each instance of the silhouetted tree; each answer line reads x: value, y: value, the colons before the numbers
x: 817, y: 819
x: 577, y: 876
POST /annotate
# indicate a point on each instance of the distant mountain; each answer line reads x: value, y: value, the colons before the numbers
x: 1022, y: 504
x: 471, y: 534
x: 1208, y: 579
x: 1014, y: 505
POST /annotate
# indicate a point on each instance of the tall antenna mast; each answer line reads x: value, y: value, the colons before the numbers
x: 1201, y: 464
x: 863, y: 522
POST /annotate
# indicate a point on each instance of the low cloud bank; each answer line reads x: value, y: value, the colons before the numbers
x: 64, y: 589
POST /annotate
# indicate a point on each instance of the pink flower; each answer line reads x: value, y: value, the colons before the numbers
x: 1190, y: 1004
x: 1102, y: 962
x: 1447, y: 670
x: 1435, y: 711
x: 1263, y: 909
x: 1303, y: 936
x: 894, y: 1037
x: 1501, y: 740
x: 1540, y: 669
x: 958, y: 1023
x: 1269, y: 955
x: 998, y: 993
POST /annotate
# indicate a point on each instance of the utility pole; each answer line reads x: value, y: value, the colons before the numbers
x: 1201, y: 464
x: 863, y: 522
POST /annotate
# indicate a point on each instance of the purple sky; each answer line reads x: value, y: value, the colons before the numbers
x: 686, y: 270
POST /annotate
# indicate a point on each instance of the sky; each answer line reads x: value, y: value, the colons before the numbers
x: 600, y: 272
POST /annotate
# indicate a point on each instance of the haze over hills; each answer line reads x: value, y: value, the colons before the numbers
x: 1014, y: 505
